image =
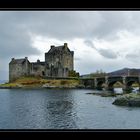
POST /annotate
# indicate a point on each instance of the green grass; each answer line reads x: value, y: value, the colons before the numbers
x: 38, y: 82
x: 9, y: 85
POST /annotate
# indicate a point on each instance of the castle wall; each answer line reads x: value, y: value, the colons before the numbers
x: 37, y: 69
x: 58, y: 63
x: 67, y: 61
x: 18, y: 70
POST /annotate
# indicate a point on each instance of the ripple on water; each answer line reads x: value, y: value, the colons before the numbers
x: 63, y: 109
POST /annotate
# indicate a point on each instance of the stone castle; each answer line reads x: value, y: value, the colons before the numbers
x: 58, y: 63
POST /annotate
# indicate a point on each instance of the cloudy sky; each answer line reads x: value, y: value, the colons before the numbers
x: 107, y: 40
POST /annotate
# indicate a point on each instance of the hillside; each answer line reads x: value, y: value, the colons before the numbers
x: 121, y: 72
x: 125, y: 71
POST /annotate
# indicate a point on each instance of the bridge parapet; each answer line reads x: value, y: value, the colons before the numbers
x: 109, y: 81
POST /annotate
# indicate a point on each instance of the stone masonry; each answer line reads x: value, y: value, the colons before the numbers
x: 58, y: 63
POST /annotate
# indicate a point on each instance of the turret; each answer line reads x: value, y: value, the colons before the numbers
x: 65, y: 46
x: 52, y: 46
x: 13, y: 59
x: 38, y: 61
x: 26, y: 58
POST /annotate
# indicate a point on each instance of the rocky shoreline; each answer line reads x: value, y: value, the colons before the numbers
x: 39, y: 83
x: 105, y: 94
x: 131, y: 100
x: 45, y: 86
x: 48, y: 87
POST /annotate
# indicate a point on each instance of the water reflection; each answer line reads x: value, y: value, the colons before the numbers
x: 115, y: 91
x: 63, y: 109
x: 53, y: 109
x: 120, y: 90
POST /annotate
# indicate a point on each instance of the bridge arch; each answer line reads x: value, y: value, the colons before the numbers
x: 129, y: 83
x: 99, y: 81
x: 100, y: 84
x: 88, y: 83
x: 109, y: 81
x: 112, y: 83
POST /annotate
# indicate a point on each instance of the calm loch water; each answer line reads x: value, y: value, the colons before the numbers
x: 63, y: 109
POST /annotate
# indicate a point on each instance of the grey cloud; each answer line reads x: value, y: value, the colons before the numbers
x: 133, y: 56
x: 112, y: 23
x: 14, y: 38
x: 107, y: 53
x: 70, y: 24
x: 89, y: 44
x: 17, y: 44
x: 86, y: 66
x: 104, y: 52
x: 77, y: 58
x: 62, y: 25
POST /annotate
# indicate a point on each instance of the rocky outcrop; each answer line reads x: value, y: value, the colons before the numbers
x: 106, y: 94
x: 131, y: 99
x: 62, y: 86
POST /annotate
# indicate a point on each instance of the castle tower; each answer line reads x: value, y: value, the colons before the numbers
x: 18, y: 68
x: 58, y: 61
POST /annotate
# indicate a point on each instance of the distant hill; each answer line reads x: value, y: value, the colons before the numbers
x: 3, y: 81
x: 85, y: 76
x: 121, y: 72
x: 125, y: 71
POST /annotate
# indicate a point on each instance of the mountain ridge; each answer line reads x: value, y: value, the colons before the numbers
x: 125, y: 72
x: 120, y: 72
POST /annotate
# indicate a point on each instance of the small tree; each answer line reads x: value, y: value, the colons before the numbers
x: 73, y: 73
x: 98, y: 73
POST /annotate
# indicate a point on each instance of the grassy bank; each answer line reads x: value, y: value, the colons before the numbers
x: 33, y: 82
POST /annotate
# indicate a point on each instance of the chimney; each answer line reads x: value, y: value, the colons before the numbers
x: 38, y: 61
x: 13, y: 59
x: 65, y: 44
x: 52, y: 46
x: 26, y: 58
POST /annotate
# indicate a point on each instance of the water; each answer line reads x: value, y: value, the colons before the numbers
x: 63, y: 109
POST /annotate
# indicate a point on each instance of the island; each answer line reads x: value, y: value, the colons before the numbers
x: 38, y: 82
x: 57, y: 71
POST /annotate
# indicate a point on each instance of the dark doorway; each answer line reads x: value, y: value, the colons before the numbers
x: 43, y: 73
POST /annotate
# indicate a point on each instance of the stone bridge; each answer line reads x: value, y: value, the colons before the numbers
x: 108, y: 81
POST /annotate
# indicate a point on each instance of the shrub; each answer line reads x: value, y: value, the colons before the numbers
x: 63, y: 82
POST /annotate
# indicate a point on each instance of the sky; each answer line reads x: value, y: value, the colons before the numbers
x: 107, y: 40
